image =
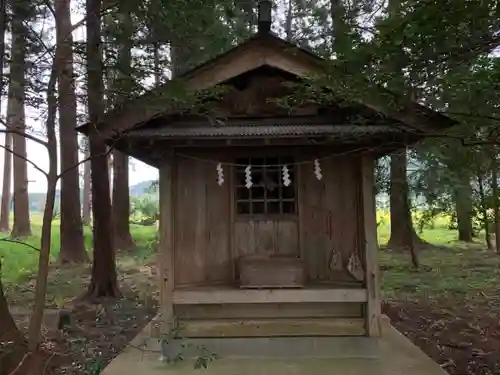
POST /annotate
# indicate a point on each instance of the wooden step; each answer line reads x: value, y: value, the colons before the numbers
x: 215, y: 296
x: 278, y: 327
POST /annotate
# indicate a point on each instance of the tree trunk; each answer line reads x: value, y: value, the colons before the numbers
x: 87, y: 205
x: 9, y: 333
x: 22, y: 225
x: 7, y: 182
x: 156, y: 63
x: 103, y: 281
x: 35, y: 324
x: 14, y: 358
x: 121, y: 202
x: 7, y: 158
x: 289, y: 22
x: 496, y: 206
x: 403, y: 235
x: 72, y: 243
x: 124, y: 83
x: 341, y: 42
x: 484, y: 210
x: 110, y: 172
x: 8, y: 328
x: 463, y: 205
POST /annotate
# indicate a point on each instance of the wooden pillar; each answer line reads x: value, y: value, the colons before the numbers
x: 372, y: 310
x: 166, y: 248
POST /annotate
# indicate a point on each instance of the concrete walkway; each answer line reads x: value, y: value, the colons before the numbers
x: 393, y: 355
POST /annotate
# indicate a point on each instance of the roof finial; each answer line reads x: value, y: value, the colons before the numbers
x: 265, y: 7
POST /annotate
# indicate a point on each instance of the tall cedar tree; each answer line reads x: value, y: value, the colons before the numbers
x: 403, y: 235
x: 7, y: 181
x: 103, y: 281
x: 124, y: 84
x: 465, y: 211
x: 121, y: 202
x: 22, y: 225
x: 72, y: 244
x: 87, y: 205
x: 8, y: 328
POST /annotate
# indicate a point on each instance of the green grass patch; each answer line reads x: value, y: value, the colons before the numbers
x: 450, y: 270
x: 20, y: 261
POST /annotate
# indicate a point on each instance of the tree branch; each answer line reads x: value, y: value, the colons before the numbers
x: 50, y: 50
x: 6, y: 239
x: 109, y: 150
x: 8, y: 129
x: 25, y: 159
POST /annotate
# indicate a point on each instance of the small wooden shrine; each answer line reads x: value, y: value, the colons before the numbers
x: 267, y: 211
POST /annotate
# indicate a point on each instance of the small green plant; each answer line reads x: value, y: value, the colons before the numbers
x: 172, y: 353
x: 94, y: 367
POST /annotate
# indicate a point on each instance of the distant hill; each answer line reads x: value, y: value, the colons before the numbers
x: 141, y: 188
x: 37, y: 200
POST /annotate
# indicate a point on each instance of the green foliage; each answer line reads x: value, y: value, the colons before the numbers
x: 203, y: 356
x: 144, y: 210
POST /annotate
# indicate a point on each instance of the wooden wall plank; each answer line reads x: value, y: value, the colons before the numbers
x: 287, y: 237
x: 261, y: 236
x: 373, y: 313
x: 329, y: 223
x: 218, y: 257
x: 186, y: 257
x: 166, y: 246
x: 202, y: 253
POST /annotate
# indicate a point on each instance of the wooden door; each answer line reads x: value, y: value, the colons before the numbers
x: 265, y: 213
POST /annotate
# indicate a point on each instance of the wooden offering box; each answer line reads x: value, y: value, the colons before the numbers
x: 271, y: 271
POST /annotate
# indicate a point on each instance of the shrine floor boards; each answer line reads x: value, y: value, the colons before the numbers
x: 393, y: 354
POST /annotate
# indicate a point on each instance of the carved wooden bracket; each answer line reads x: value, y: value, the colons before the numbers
x: 355, y: 268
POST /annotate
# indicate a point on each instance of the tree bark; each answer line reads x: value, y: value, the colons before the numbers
x: 25, y: 358
x: 22, y: 225
x: 35, y: 324
x: 463, y: 205
x: 87, y: 205
x: 403, y: 235
x: 341, y: 42
x: 8, y: 328
x: 496, y: 203
x: 15, y: 359
x: 72, y: 243
x: 7, y: 159
x: 121, y: 202
x: 9, y: 333
x: 7, y: 182
x: 484, y: 210
x: 124, y: 83
x: 103, y: 281
x: 110, y: 172
x: 156, y: 63
x: 289, y: 22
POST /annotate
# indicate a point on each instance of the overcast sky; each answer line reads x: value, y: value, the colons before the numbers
x: 38, y: 154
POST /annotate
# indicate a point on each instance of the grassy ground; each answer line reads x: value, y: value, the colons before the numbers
x: 19, y: 265
x: 449, y: 269
x: 450, y: 307
x: 452, y: 268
